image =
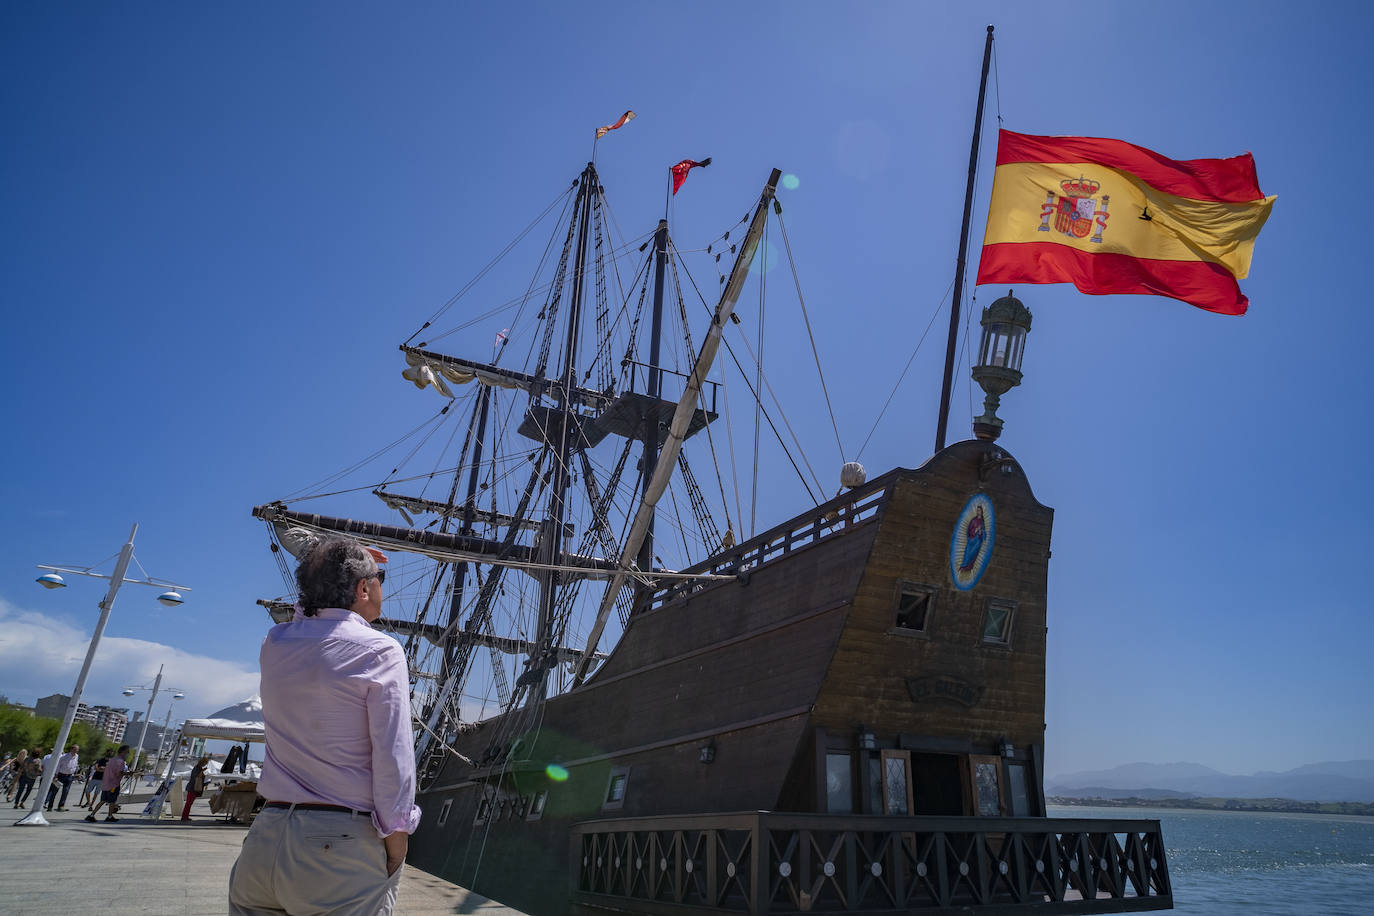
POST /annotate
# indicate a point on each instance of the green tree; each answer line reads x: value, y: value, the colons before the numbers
x: 92, y: 740
x: 47, y: 732
x: 18, y: 729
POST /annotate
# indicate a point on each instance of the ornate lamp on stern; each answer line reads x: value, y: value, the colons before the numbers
x: 1005, y: 325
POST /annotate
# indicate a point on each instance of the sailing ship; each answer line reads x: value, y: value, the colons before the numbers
x: 842, y: 712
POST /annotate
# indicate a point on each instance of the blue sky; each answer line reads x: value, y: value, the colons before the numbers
x: 219, y: 223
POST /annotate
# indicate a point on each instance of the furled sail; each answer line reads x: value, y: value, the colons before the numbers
x: 427, y: 368
x: 504, y: 644
x: 420, y: 504
x: 438, y: 545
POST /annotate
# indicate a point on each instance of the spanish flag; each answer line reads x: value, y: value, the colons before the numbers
x: 1112, y: 217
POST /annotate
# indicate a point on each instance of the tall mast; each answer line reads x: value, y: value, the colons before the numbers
x: 569, y: 433
x: 682, y: 415
x: 655, y: 388
x: 963, y: 247
x: 460, y: 570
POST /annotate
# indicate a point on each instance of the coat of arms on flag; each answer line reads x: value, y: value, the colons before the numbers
x: 1076, y: 210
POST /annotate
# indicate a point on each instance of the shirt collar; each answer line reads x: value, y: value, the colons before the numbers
x: 336, y: 613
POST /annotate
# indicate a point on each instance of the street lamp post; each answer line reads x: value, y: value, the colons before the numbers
x: 162, y: 740
x: 147, y: 716
x: 51, y: 579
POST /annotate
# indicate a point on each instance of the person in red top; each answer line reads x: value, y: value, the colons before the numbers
x: 114, y: 772
x: 195, y: 786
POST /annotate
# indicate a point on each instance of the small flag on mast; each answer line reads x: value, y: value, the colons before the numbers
x: 624, y: 119
x: 682, y: 168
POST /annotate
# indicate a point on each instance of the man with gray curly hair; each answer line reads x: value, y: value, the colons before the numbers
x: 339, y: 770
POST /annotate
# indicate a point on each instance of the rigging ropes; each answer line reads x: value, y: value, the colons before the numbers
x: 734, y: 358
x: 791, y: 262
x: 939, y: 308
x: 453, y: 300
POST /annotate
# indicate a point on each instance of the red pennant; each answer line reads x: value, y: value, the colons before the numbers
x: 682, y: 168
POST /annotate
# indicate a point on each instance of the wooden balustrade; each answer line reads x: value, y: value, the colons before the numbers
x: 831, y: 518
x: 762, y: 862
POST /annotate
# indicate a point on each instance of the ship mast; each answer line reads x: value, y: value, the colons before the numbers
x: 650, y: 417
x: 678, y: 429
x: 569, y: 431
x: 465, y: 528
x: 963, y: 248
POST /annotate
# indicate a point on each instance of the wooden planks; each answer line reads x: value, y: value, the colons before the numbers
x: 868, y: 679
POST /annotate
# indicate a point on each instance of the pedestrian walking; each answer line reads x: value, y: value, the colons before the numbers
x: 91, y: 793
x: 66, y: 770
x: 28, y: 776
x: 13, y: 771
x: 109, y: 793
x: 339, y: 772
x: 195, y: 785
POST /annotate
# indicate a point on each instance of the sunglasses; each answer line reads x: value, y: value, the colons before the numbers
x: 380, y: 576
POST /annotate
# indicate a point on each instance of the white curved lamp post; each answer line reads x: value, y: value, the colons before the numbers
x: 51, y: 580
x: 157, y: 685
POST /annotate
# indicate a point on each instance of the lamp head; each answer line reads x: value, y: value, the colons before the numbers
x: 998, y: 369
x: 51, y: 580
x: 170, y: 598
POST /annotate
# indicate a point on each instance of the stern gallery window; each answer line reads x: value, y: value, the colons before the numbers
x: 915, y: 602
x: 997, y: 622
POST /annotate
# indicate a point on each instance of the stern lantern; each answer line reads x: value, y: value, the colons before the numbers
x: 1005, y: 325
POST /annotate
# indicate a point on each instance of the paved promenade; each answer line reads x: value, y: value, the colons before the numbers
x: 157, y: 868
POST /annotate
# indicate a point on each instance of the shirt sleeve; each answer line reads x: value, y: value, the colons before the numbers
x: 393, y: 746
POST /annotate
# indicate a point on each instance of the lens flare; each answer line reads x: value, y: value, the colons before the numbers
x: 556, y: 773
x: 765, y: 258
x: 791, y: 182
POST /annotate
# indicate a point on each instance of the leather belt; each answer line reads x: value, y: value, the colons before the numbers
x: 314, y: 806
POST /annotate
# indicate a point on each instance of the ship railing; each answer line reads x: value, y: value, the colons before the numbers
x: 830, y: 519
x: 764, y: 862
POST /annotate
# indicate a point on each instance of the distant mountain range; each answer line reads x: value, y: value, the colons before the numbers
x: 1350, y: 780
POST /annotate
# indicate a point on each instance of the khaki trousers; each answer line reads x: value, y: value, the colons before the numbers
x: 312, y: 863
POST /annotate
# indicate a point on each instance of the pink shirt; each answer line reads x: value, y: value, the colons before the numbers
x: 336, y: 703
x: 114, y: 771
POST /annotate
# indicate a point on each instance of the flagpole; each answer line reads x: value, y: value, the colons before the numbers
x: 963, y: 247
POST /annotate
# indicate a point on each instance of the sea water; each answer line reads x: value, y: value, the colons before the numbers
x: 1232, y: 862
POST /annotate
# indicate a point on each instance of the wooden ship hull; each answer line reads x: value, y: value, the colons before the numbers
x: 845, y: 712
x: 854, y: 721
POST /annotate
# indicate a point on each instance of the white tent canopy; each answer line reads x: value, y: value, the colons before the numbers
x: 240, y: 722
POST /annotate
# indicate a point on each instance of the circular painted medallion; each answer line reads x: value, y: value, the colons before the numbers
x: 971, y: 547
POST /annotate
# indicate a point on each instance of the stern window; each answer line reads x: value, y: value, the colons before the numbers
x: 914, y: 605
x: 997, y: 621
x: 897, y: 783
x: 839, y: 784
x: 1018, y: 789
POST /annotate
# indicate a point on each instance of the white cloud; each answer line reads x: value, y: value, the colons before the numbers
x: 40, y: 655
